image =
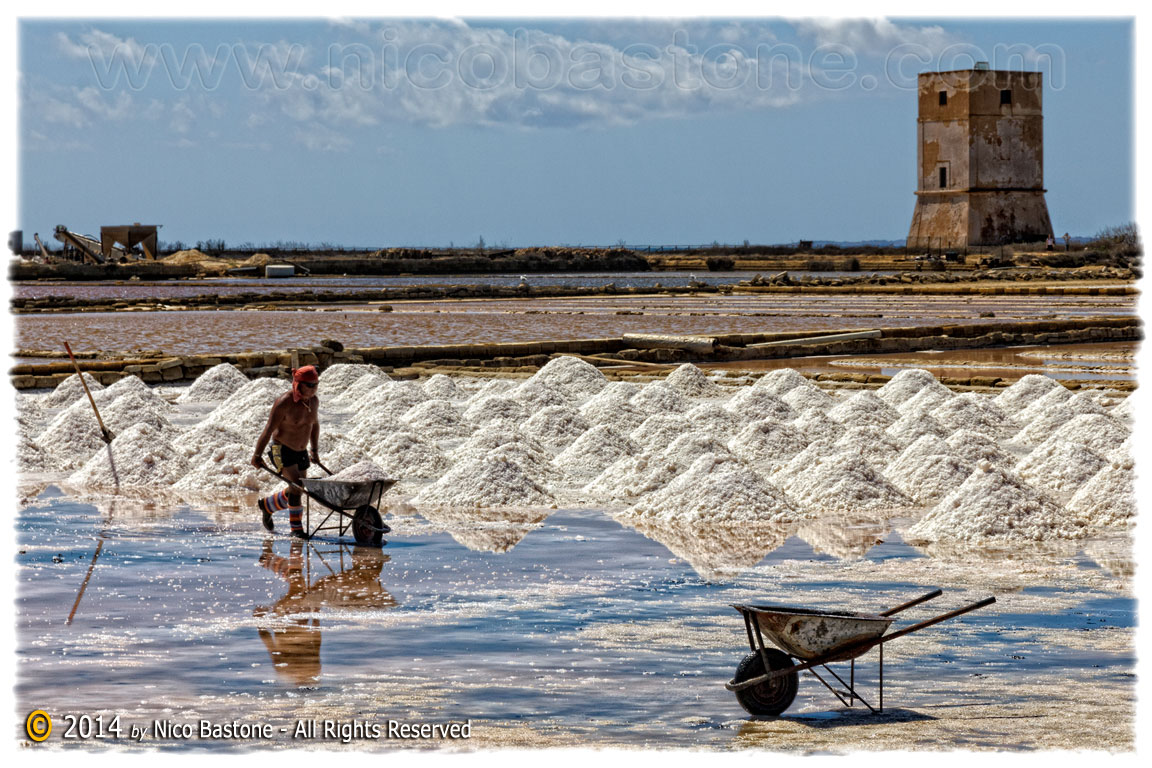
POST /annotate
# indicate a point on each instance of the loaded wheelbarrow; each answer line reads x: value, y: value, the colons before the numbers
x: 766, y: 680
x: 356, y: 505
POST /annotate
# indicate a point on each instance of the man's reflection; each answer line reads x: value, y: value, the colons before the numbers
x: 348, y: 577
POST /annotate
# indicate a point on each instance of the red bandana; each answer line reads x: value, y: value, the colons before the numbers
x: 306, y: 374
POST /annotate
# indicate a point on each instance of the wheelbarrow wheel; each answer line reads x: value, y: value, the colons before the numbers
x: 367, y: 526
x: 770, y: 697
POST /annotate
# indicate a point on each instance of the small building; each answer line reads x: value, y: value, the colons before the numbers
x: 980, y: 159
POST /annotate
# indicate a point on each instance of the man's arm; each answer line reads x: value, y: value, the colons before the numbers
x: 273, y: 422
x: 315, y: 436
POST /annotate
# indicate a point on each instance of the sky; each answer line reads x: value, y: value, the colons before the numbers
x: 426, y: 132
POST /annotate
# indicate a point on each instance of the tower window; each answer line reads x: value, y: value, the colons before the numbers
x: 1006, y: 96
x: 943, y: 98
x: 943, y: 178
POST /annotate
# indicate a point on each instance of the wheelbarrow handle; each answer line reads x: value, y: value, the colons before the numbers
x: 922, y: 599
x: 937, y: 619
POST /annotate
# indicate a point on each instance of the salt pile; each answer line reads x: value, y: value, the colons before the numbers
x: 403, y: 455
x: 768, y: 443
x: 1100, y: 432
x: 353, y: 397
x: 537, y: 466
x: 538, y: 394
x: 633, y: 476
x: 572, y: 377
x: 873, y: 443
x: 1041, y: 428
x: 927, y: 470
x: 1024, y: 392
x: 484, y: 483
x: 717, y: 489
x: 30, y: 457
x: 594, y: 451
x: 610, y: 410
x: 392, y: 399
x: 780, y: 381
x: 1108, y: 499
x: 372, y: 427
x: 975, y: 447
x: 339, y: 452
x: 907, y: 384
x: 912, y: 426
x: 659, y: 430
x: 139, y: 456
x: 335, y: 379
x: 807, y: 396
x: 246, y: 411
x: 225, y: 468
x: 799, y: 464
x: 970, y: 411
x: 996, y: 504
x: 864, y: 409
x: 1125, y: 411
x: 1060, y: 467
x: 658, y: 397
x: 361, y: 472
x: 556, y: 427
x: 1078, y: 404
x: 715, y: 419
x: 497, y: 409
x: 842, y: 482
x: 491, y: 387
x: 684, y: 450
x: 207, y: 436
x: 690, y: 381
x: 817, y: 426
x: 69, y: 390
x: 484, y: 440
x: 217, y: 383
x: 753, y: 404
x: 441, y: 387
x: 124, y: 385
x: 436, y: 419
x: 927, y: 399
x: 74, y: 435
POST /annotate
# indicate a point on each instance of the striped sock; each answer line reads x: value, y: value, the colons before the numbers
x: 295, y: 515
x: 276, y: 502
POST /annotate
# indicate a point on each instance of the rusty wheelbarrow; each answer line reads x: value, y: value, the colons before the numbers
x: 767, y: 679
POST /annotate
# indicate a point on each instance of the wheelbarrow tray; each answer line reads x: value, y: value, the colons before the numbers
x: 341, y: 495
x: 808, y: 633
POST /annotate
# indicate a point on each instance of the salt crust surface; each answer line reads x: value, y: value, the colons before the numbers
x: 353, y: 396
x: 335, y: 379
x: 807, y: 396
x: 1099, y: 432
x: 873, y: 443
x: 556, y: 427
x: 912, y: 426
x: 217, y: 383
x: 224, y: 468
x: 817, y: 426
x: 751, y: 404
x: 437, y: 419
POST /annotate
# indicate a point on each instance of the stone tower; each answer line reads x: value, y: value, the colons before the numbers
x: 980, y: 159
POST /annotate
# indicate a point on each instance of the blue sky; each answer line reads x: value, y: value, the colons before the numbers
x: 424, y: 132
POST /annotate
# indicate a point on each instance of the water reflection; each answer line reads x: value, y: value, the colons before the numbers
x: 346, y: 578
x: 845, y: 535
x: 486, y: 529
x: 715, y: 550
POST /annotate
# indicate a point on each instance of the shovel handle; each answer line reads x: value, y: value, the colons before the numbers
x: 104, y: 432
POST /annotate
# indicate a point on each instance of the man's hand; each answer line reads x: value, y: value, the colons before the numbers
x: 258, y: 461
x: 314, y: 456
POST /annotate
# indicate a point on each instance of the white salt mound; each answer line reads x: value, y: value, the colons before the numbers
x: 436, y: 419
x: 843, y: 482
x: 484, y: 483
x: 335, y: 379
x: 353, y: 397
x: 1059, y: 467
x: 30, y: 457
x: 594, y: 451
x: 974, y: 447
x: 70, y: 389
x: 873, y: 443
x: 971, y: 411
x: 1060, y: 399
x: 658, y: 397
x: 441, y: 387
x: 405, y: 456
x: 807, y: 396
x: 716, y: 419
x: 907, y: 384
x: 816, y: 425
x: 1108, y: 499
x: 217, y: 383
x: 623, y: 416
x: 492, y: 387
x: 912, y: 426
x: 574, y: 378
x: 492, y: 436
x: 717, y: 489
x: 540, y: 394
x: 927, y: 470
x: 684, y: 450
x: 140, y: 456
x: 659, y: 430
x: 225, y: 468
x: 497, y: 409
x: 690, y: 381
x: 753, y: 404
x: 768, y: 443
x: 633, y: 476
x: 361, y: 472
x: 1100, y: 432
x: 927, y: 399
x: 391, y: 399
x: 996, y: 504
x: 74, y: 434
x: 1024, y: 392
x: 207, y: 436
x: 1125, y: 411
x: 864, y: 409
x: 123, y: 385
x: 556, y: 427
x: 780, y: 381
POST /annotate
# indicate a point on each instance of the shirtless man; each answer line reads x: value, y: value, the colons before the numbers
x: 293, y: 424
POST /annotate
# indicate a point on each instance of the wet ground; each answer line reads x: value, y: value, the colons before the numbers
x: 568, y: 630
x: 519, y: 320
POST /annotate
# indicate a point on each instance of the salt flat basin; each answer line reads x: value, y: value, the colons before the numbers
x: 807, y: 633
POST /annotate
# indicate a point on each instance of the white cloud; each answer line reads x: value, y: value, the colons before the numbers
x: 872, y: 37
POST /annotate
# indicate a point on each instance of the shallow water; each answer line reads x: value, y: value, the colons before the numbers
x: 523, y: 320
x: 580, y: 632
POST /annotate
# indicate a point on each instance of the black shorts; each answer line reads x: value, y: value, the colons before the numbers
x: 283, y: 456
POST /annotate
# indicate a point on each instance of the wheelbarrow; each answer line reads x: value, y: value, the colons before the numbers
x: 356, y: 505
x: 767, y: 679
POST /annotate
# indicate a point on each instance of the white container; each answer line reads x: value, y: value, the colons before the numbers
x: 279, y: 270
